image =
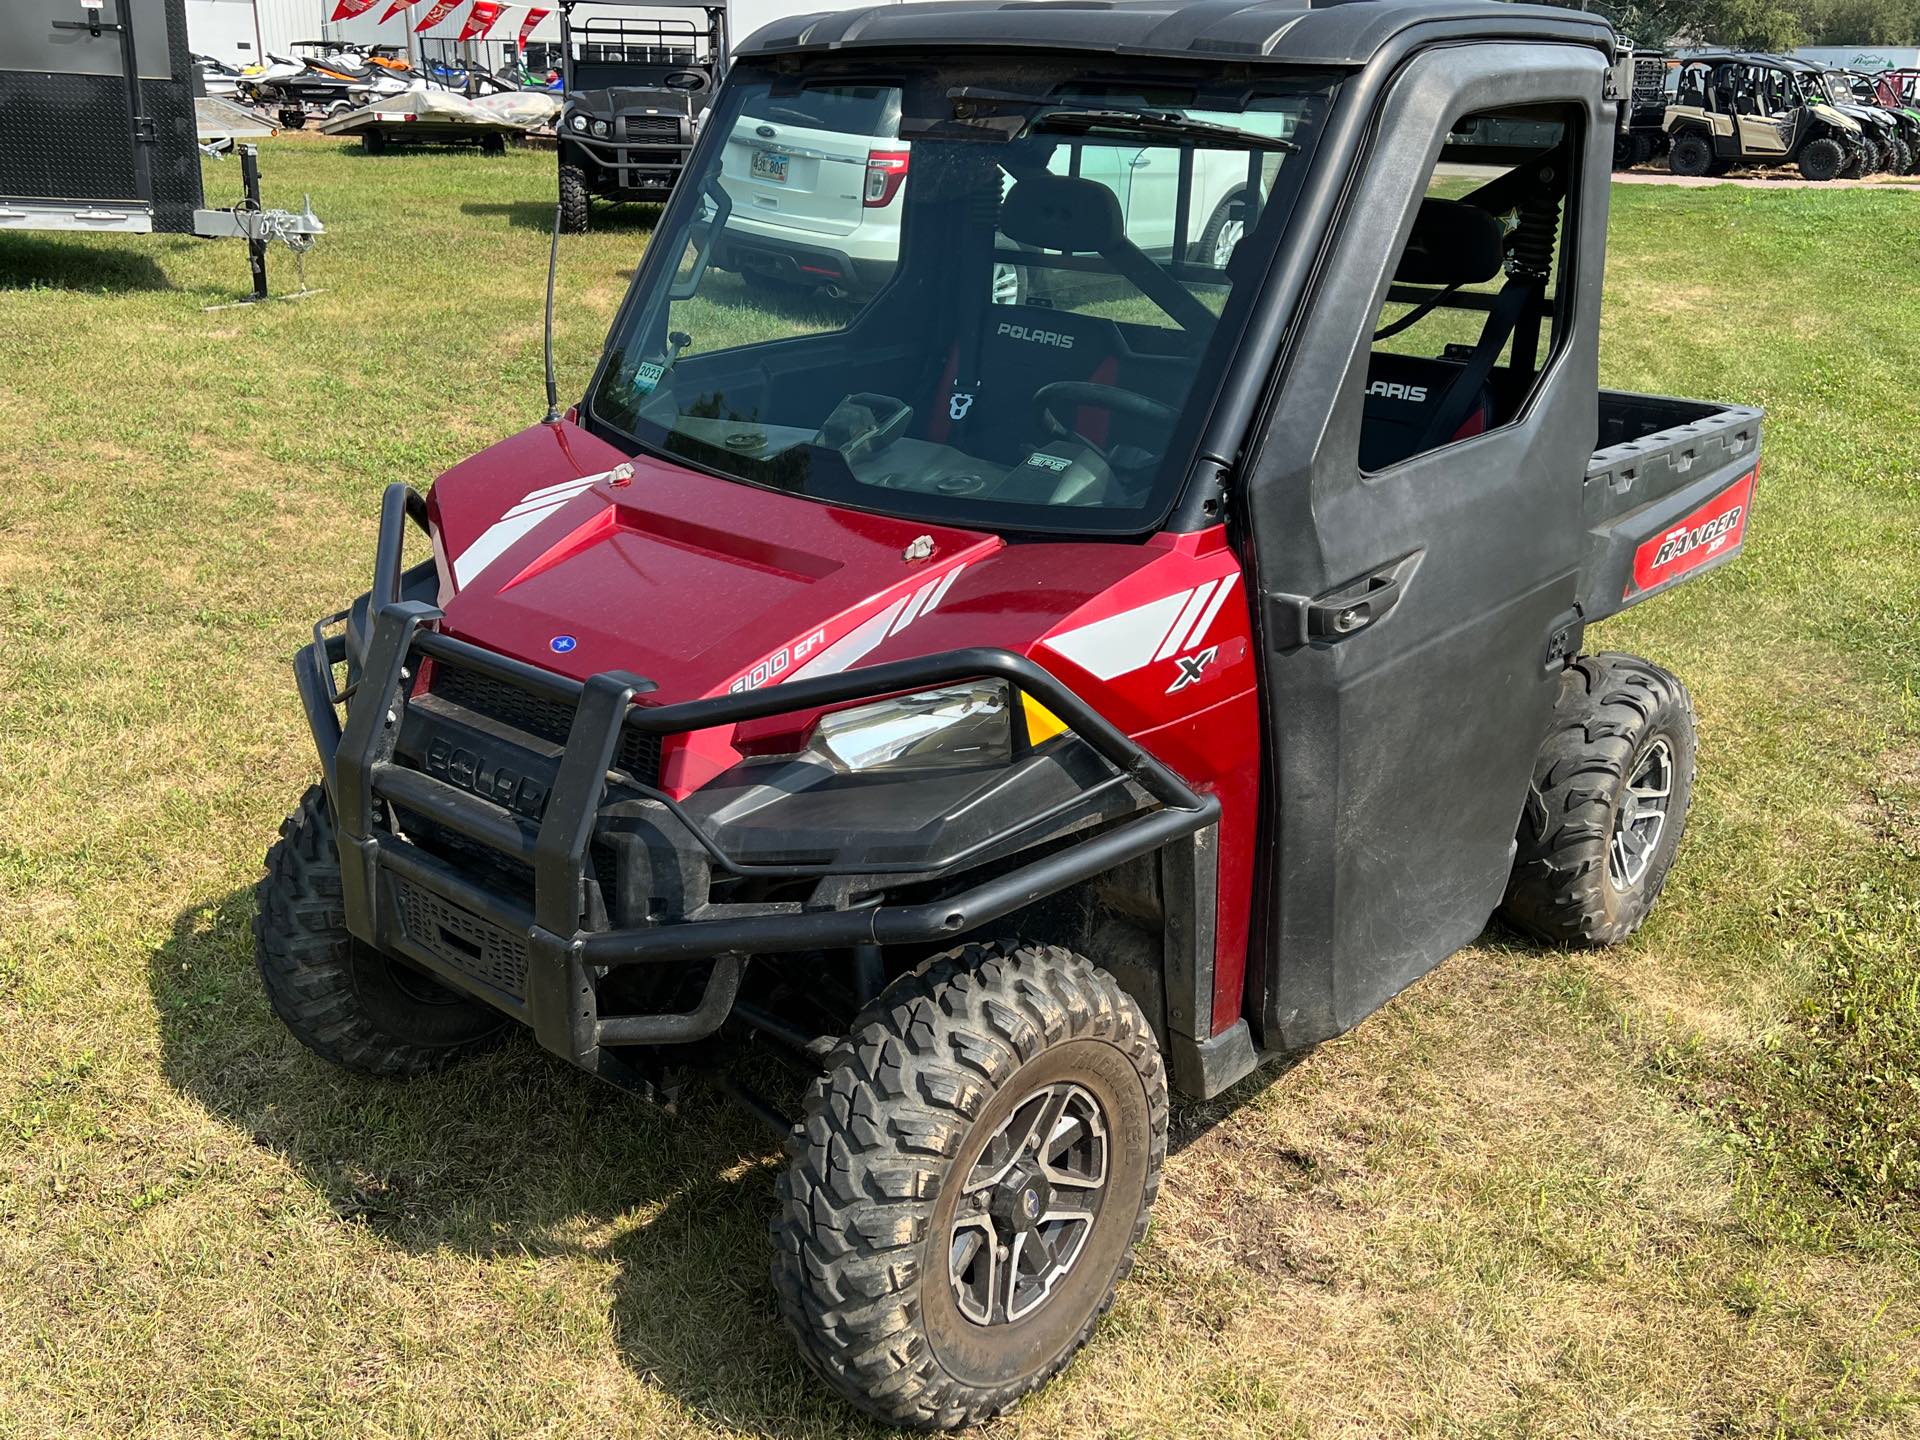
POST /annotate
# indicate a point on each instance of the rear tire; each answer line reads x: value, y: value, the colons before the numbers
x: 1690, y: 155
x: 1822, y: 159
x: 1899, y: 158
x: 1595, y: 841
x: 1226, y: 227
x: 573, y: 199
x: 342, y: 999
x: 917, y: 1302
x: 373, y: 142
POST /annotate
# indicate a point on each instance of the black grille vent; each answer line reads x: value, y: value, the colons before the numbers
x: 653, y: 127
x: 638, y: 753
x: 469, y: 944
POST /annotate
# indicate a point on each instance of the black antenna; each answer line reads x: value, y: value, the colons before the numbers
x: 553, y: 261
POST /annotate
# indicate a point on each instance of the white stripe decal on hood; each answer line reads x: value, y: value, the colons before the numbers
x: 522, y: 517
x: 854, y: 646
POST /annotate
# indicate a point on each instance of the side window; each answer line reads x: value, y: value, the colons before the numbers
x: 1476, y: 309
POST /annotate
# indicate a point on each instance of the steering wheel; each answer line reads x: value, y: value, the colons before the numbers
x: 1072, y: 394
x: 694, y: 81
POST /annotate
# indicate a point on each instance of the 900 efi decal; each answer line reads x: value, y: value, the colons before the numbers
x: 813, y: 655
x: 1714, y: 530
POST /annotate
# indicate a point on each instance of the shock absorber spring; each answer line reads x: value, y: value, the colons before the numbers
x: 1537, y: 231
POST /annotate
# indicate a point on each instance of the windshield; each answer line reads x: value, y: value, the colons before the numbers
x: 1001, y: 299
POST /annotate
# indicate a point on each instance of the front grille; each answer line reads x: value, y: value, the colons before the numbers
x: 653, y: 127
x: 473, y: 946
x: 638, y: 752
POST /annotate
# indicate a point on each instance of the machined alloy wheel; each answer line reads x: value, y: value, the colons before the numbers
x: 1028, y: 1204
x: 1642, y: 817
x: 1009, y: 287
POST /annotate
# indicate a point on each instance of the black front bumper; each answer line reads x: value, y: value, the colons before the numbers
x: 543, y: 962
x: 645, y: 168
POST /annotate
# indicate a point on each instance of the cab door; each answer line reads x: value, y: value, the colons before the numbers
x: 1414, y: 620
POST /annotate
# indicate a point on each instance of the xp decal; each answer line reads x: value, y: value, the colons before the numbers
x: 1712, y: 532
x: 1192, y: 668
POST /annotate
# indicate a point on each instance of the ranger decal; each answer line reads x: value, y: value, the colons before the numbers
x: 1710, y: 532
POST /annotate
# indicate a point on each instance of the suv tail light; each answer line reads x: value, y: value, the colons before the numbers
x: 886, y: 169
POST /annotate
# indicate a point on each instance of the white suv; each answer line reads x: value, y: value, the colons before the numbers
x: 817, y: 208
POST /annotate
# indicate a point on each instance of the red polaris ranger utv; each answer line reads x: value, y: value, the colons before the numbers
x: 1139, y: 637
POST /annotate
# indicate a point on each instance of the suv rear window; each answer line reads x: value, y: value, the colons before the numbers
x: 872, y: 110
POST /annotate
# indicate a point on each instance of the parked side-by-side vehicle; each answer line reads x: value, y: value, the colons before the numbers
x: 638, y: 87
x: 1759, y: 111
x: 1015, y: 700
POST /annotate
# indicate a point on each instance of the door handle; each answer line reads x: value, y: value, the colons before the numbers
x: 1332, y: 615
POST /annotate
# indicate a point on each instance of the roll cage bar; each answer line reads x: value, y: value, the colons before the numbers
x: 649, y: 33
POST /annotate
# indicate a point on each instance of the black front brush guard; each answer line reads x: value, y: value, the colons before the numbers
x: 560, y: 998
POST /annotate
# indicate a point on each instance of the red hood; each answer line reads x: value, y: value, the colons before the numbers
x: 557, y: 549
x: 565, y: 560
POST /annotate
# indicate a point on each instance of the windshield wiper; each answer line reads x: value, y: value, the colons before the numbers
x: 970, y: 100
x: 1158, y: 124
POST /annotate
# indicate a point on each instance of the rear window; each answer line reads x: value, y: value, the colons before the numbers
x: 872, y: 110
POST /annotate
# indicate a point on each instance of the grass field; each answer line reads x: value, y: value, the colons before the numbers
x: 1667, y: 1190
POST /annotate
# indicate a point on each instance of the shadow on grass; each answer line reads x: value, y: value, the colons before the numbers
x: 638, y: 218
x: 516, y: 1153
x: 29, y: 262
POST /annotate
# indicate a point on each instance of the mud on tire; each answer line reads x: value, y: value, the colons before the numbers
x: 341, y: 999
x: 1620, y: 721
x: 873, y: 1222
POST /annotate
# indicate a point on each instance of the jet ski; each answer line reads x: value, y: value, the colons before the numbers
x: 297, y: 87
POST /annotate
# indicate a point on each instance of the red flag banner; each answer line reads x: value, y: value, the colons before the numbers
x: 437, y: 12
x: 347, y: 9
x: 392, y: 10
x: 534, y: 17
x: 480, y: 19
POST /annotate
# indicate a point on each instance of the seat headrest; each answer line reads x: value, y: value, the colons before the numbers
x: 1453, y: 243
x: 1062, y: 212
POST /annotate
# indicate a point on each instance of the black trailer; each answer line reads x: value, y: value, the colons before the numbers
x: 96, y: 117
x: 98, y: 130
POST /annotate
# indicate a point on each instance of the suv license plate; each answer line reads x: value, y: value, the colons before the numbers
x: 769, y: 166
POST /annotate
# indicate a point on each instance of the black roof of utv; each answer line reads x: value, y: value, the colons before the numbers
x: 1323, y: 32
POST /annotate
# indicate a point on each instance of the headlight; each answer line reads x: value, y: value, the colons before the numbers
x: 938, y: 729
x: 579, y: 122
x: 602, y: 128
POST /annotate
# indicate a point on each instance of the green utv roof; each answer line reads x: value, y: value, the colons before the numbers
x: 1329, y: 32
